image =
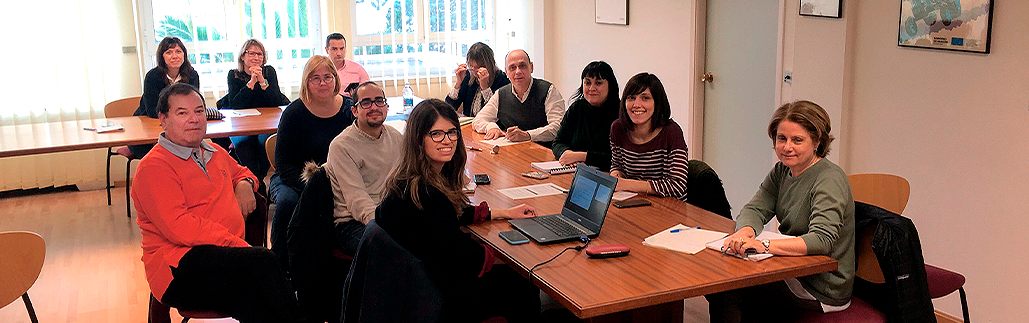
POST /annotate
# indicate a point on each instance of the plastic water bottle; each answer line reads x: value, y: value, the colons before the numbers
x: 408, y: 99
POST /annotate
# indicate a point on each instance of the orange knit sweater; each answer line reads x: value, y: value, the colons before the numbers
x: 179, y: 206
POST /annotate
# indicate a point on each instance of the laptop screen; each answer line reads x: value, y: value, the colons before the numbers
x: 589, y: 197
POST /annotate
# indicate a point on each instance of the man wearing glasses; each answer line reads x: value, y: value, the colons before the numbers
x: 359, y: 162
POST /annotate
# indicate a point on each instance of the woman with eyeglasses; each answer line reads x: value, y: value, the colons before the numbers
x: 424, y: 209
x: 172, y: 67
x: 306, y: 128
x: 477, y: 80
x: 253, y: 84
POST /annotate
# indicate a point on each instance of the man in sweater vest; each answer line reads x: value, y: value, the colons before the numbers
x: 527, y: 109
x: 191, y: 198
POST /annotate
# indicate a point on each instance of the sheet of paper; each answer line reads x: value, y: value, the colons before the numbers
x: 502, y: 141
x: 681, y: 238
x: 546, y: 166
x: 622, y: 196
x: 765, y: 234
x: 240, y: 113
x: 524, y: 192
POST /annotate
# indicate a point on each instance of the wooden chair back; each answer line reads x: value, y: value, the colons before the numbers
x: 269, y: 149
x: 890, y: 192
x: 121, y: 107
x: 21, y: 261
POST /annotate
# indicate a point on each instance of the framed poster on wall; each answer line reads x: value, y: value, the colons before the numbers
x: 960, y: 25
x: 821, y: 8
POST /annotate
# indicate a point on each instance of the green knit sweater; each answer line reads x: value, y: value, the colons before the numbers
x: 816, y: 206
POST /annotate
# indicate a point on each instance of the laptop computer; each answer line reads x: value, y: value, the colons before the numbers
x: 582, y: 215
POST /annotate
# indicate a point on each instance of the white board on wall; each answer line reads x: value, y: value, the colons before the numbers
x: 614, y: 12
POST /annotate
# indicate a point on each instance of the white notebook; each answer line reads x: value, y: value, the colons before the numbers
x: 765, y: 234
x: 682, y: 238
x: 553, y: 167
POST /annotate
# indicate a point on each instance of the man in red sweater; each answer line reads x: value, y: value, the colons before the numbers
x: 191, y: 198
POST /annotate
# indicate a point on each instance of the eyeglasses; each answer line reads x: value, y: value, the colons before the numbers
x: 437, y: 135
x: 367, y: 103
x: 255, y: 54
x: 318, y: 79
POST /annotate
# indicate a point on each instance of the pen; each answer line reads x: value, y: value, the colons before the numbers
x: 473, y: 148
x: 533, y: 193
x: 678, y: 230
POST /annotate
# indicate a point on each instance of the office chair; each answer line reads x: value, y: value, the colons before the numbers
x: 121, y: 108
x: 269, y: 149
x: 704, y: 189
x: 22, y: 255
x: 891, y: 192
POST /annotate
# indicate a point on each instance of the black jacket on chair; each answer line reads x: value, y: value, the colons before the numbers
x: 905, y: 296
x: 704, y: 189
x: 388, y: 284
x: 316, y: 274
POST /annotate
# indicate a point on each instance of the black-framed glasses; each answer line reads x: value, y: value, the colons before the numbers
x: 437, y: 135
x: 367, y: 103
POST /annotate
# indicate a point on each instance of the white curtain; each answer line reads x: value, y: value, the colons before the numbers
x: 63, y: 61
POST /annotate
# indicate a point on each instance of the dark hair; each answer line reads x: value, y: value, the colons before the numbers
x: 809, y: 115
x: 241, y: 72
x: 175, y: 89
x: 357, y: 99
x: 335, y: 36
x: 636, y: 85
x: 482, y: 54
x: 602, y: 71
x: 185, y: 70
x: 416, y: 168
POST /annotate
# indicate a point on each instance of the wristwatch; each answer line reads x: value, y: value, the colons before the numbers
x: 766, y: 243
x: 264, y: 83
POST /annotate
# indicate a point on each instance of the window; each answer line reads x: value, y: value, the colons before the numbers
x: 400, y: 39
x: 214, y: 29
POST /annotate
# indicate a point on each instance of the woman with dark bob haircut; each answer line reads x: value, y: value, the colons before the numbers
x: 424, y: 209
x: 648, y: 151
x: 585, y: 129
x: 477, y: 80
x: 172, y: 67
x: 810, y: 197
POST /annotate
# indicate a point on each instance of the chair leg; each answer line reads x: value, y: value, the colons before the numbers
x: 964, y: 303
x: 158, y: 312
x: 128, y: 201
x: 108, y: 176
x: 28, y: 306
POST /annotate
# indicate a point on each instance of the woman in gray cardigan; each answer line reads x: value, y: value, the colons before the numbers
x: 810, y: 197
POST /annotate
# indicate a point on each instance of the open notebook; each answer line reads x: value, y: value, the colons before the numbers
x: 553, y: 167
x: 765, y: 234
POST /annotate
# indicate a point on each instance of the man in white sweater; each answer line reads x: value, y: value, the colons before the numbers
x: 359, y: 162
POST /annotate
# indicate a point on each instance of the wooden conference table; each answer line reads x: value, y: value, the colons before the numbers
x: 52, y: 137
x: 648, y: 285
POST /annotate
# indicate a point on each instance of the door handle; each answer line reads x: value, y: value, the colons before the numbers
x: 707, y: 77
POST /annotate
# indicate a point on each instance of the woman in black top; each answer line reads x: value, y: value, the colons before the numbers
x: 252, y: 84
x: 470, y: 94
x: 423, y: 210
x: 585, y: 129
x: 306, y: 128
x: 172, y: 67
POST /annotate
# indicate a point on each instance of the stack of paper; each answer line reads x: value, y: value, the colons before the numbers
x: 622, y: 196
x: 766, y: 234
x: 681, y: 238
x: 240, y: 113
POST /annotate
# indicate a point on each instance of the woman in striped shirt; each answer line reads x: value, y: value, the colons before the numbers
x: 648, y: 152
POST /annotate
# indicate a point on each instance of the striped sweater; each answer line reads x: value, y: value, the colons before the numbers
x: 661, y: 161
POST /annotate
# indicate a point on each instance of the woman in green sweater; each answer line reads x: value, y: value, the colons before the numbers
x: 587, y: 124
x: 810, y: 197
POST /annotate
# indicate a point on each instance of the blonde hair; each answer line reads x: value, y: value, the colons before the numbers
x: 809, y: 115
x: 241, y: 70
x: 314, y: 63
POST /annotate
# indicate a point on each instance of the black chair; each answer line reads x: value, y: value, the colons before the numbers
x: 316, y: 265
x: 388, y: 284
x: 704, y: 189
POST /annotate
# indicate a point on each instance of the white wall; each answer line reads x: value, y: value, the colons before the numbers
x: 656, y: 40
x: 954, y: 124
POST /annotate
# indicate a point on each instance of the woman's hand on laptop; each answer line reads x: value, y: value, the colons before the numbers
x: 520, y: 211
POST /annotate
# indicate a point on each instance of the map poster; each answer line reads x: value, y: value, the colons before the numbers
x: 962, y: 25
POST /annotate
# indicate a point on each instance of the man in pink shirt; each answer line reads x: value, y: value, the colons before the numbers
x: 349, y: 71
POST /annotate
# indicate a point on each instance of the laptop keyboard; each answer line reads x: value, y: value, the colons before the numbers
x: 561, y: 228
